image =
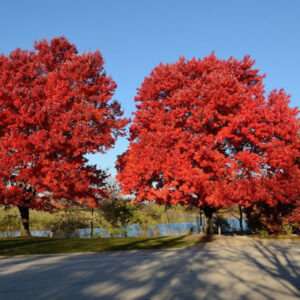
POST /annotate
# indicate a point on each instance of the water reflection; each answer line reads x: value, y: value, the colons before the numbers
x: 165, y: 229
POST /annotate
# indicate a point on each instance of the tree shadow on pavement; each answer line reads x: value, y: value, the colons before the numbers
x: 255, y: 270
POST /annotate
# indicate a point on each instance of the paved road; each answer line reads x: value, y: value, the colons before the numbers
x: 218, y: 270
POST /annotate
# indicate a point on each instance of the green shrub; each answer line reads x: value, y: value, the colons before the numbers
x: 148, y: 215
x: 9, y: 223
x: 116, y: 214
x: 286, y: 228
x: 69, y: 223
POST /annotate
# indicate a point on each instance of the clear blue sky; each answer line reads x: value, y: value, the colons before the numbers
x: 134, y: 36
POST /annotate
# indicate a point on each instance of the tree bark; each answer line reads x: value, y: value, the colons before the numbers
x: 92, y: 224
x: 208, y: 211
x: 241, y: 219
x: 200, y: 213
x: 219, y: 229
x: 24, y: 212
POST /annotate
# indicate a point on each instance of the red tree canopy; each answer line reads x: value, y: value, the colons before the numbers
x: 55, y: 108
x: 205, y: 135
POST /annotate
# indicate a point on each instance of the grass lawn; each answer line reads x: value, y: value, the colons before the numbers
x: 20, y: 246
x: 37, y: 245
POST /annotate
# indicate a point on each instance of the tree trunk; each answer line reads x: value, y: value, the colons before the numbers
x: 200, y: 213
x: 208, y: 211
x: 241, y: 219
x: 208, y: 224
x: 24, y: 212
x: 219, y: 229
x: 92, y: 224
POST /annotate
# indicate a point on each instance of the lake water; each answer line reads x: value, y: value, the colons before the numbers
x: 165, y: 229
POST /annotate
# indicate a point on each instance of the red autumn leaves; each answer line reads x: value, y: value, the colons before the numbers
x: 204, y: 133
x: 55, y: 107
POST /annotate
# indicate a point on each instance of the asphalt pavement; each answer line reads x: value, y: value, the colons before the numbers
x: 231, y: 269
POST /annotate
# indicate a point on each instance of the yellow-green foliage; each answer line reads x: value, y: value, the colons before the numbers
x: 9, y: 221
x: 38, y: 219
x: 146, y: 215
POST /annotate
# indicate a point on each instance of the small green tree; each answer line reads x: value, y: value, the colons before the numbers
x: 9, y: 222
x: 148, y: 215
x: 117, y: 213
x: 69, y: 223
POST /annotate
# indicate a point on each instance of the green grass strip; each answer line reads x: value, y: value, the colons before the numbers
x: 24, y: 246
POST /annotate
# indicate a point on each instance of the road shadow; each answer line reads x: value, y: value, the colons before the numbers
x: 209, y: 270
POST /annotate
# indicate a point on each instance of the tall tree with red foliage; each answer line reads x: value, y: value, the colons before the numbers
x: 205, y: 135
x: 55, y: 108
x: 284, y: 212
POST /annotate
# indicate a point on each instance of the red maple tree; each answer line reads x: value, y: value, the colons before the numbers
x: 205, y: 135
x: 282, y: 213
x: 55, y: 108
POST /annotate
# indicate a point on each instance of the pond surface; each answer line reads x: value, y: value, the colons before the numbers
x: 164, y: 229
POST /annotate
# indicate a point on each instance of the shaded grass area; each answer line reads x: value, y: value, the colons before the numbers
x: 23, y: 246
x: 37, y: 245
